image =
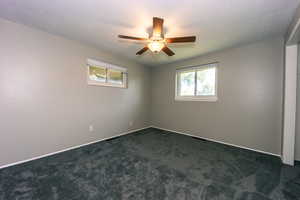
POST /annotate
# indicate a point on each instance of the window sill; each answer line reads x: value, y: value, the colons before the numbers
x: 95, y: 83
x: 207, y: 99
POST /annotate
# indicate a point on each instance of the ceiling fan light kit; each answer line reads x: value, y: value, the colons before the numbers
x: 157, y: 42
x: 156, y: 45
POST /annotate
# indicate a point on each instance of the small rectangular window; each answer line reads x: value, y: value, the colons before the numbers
x: 105, y: 74
x: 206, y: 82
x: 197, y: 83
x: 187, y: 83
x: 97, y: 73
x: 115, y: 76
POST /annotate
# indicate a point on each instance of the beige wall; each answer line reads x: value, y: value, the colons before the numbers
x: 45, y: 102
x: 249, y: 109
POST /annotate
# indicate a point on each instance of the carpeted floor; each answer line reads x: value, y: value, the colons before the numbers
x: 152, y: 165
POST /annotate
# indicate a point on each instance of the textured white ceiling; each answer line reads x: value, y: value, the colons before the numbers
x: 218, y: 24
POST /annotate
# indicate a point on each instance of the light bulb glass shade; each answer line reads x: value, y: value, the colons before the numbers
x: 156, y: 46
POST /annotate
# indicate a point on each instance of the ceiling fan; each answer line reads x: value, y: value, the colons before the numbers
x: 157, y: 42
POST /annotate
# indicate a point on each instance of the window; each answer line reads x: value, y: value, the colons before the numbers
x: 104, y: 74
x: 197, y: 83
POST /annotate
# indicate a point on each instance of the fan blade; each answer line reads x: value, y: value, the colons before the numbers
x: 157, y: 26
x: 140, y: 52
x: 181, y: 39
x: 168, y: 51
x: 131, y: 38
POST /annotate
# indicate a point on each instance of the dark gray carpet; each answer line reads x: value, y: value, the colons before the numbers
x: 152, y: 164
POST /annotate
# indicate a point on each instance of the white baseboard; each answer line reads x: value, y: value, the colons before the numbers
x: 128, y: 132
x: 71, y: 148
x: 212, y: 140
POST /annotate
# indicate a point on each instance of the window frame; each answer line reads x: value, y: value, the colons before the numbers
x: 106, y: 66
x: 208, y: 98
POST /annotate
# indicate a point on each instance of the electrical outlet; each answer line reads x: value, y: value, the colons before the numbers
x: 91, y: 128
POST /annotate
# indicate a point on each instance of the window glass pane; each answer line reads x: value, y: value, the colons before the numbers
x: 206, y: 81
x: 187, y: 83
x: 97, y: 73
x: 115, y: 76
